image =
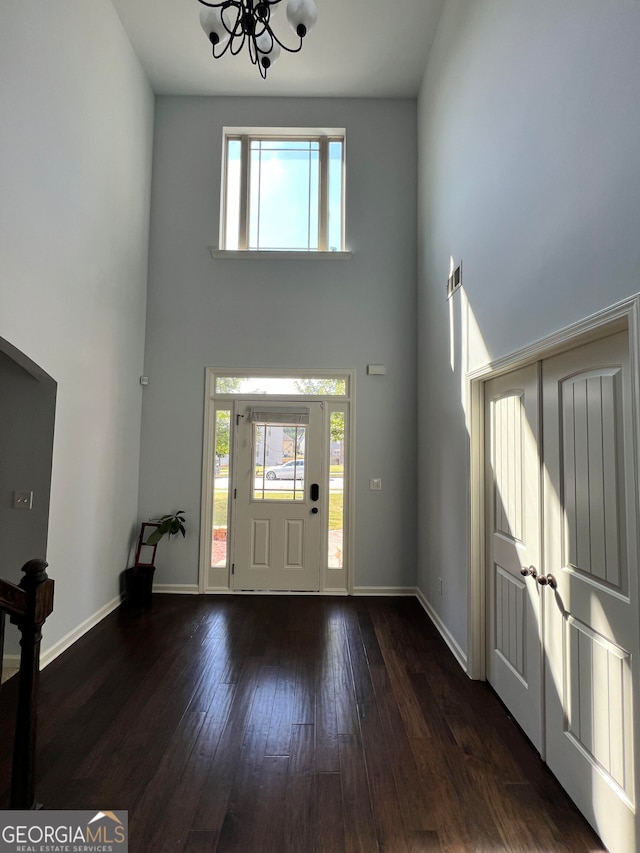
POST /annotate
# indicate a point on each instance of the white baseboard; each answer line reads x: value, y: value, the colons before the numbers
x: 446, y: 635
x: 384, y: 590
x: 177, y: 588
x: 69, y: 639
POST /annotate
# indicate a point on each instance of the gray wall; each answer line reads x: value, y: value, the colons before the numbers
x: 291, y: 313
x: 75, y: 174
x: 26, y: 445
x: 528, y: 128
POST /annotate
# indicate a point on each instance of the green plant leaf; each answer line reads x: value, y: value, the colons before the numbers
x: 154, y: 538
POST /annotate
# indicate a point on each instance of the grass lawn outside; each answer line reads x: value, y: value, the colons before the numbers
x: 336, y: 501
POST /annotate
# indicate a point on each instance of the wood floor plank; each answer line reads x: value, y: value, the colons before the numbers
x: 327, y: 758
x: 424, y: 842
x: 265, y: 833
x: 330, y: 823
x: 173, y: 821
x: 346, y: 703
x: 359, y: 826
x: 160, y: 789
x: 385, y: 802
x: 416, y: 723
x: 279, y: 738
x: 300, y: 809
x: 201, y: 842
x: 413, y: 794
x: 212, y: 806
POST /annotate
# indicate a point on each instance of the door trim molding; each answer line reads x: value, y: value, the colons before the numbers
x: 622, y: 316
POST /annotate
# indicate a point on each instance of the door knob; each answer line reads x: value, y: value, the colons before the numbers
x: 314, y: 510
x: 548, y: 580
x: 530, y: 571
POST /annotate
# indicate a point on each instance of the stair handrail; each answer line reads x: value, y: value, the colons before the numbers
x: 28, y: 604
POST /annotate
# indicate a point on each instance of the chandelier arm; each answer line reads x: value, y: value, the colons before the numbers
x: 223, y: 3
x: 284, y: 46
x: 237, y: 30
x: 234, y: 51
x: 235, y: 34
x: 222, y: 52
x: 266, y: 28
x: 253, y: 51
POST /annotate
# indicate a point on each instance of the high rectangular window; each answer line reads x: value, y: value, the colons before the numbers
x: 283, y: 192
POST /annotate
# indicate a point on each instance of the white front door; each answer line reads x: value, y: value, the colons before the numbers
x: 279, y: 509
x: 581, y: 608
x: 512, y: 477
x: 591, y: 604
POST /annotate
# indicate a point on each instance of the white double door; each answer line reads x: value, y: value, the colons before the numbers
x: 563, y: 626
x: 279, y: 502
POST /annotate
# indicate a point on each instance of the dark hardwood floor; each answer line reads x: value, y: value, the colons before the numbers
x: 288, y: 725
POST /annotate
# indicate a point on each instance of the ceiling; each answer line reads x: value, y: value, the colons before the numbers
x: 358, y: 48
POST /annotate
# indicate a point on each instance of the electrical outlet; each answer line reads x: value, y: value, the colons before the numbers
x: 375, y: 484
x: 22, y: 500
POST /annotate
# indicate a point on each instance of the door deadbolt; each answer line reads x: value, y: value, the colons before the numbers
x: 315, y: 491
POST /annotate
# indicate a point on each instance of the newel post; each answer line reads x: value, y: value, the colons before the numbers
x: 38, y: 589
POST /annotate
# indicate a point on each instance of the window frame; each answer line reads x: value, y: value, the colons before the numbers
x: 248, y: 135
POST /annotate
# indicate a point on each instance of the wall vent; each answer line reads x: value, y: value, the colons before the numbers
x: 455, y: 280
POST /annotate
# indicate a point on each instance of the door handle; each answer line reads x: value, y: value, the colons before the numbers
x: 315, y: 491
x: 548, y: 580
x: 314, y: 510
x: 531, y: 571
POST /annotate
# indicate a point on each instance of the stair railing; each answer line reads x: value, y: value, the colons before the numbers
x: 28, y: 605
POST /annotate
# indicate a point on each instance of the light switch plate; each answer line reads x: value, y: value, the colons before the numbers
x: 375, y: 484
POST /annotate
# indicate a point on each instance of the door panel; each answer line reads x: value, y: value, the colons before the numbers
x: 513, y: 499
x: 277, y: 522
x: 591, y: 617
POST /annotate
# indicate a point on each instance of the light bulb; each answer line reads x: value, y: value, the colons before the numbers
x: 302, y: 15
x: 269, y: 50
x: 264, y: 42
x: 211, y: 20
x: 273, y: 7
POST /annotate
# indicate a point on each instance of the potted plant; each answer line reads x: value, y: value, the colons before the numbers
x: 167, y: 524
x: 138, y: 579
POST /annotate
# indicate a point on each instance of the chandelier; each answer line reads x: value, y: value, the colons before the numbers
x: 230, y: 24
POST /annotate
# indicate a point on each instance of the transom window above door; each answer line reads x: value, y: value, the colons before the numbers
x: 325, y: 385
x: 283, y: 190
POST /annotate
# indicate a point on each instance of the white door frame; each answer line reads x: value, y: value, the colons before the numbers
x: 345, y: 403
x: 624, y: 315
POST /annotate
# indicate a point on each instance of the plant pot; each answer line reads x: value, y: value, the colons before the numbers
x: 138, y: 585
